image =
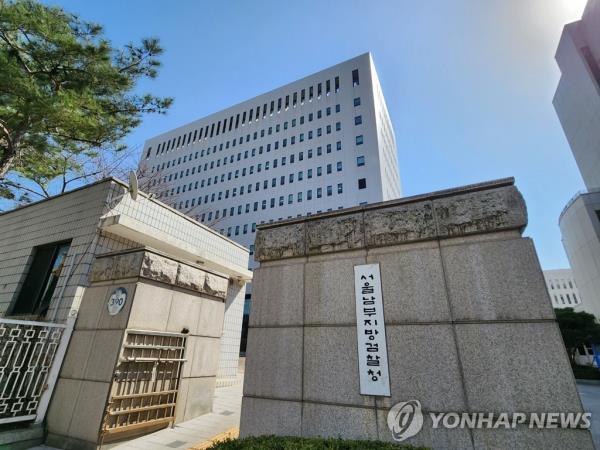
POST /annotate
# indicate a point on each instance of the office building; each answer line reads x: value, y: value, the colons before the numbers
x: 563, y: 289
x: 318, y: 144
x: 577, y: 104
x: 577, y: 98
x: 580, y: 229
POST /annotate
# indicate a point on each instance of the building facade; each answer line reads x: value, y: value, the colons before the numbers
x: 580, y: 229
x: 562, y: 288
x: 577, y: 104
x: 577, y: 98
x: 318, y: 144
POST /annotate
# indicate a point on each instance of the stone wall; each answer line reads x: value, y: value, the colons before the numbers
x: 164, y: 295
x: 469, y: 324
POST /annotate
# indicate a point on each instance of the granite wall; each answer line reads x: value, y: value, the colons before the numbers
x: 469, y: 323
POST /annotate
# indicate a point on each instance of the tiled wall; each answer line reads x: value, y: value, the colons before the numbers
x: 72, y: 216
x: 230, y: 341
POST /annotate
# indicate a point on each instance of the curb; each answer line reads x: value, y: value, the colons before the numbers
x: 584, y: 381
x: 231, y: 433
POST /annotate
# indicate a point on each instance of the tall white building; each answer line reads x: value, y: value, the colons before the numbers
x: 577, y: 98
x: 577, y: 104
x: 320, y: 143
x: 563, y: 289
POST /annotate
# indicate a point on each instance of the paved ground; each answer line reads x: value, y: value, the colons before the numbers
x: 225, y: 415
x: 185, y: 435
x: 590, y: 397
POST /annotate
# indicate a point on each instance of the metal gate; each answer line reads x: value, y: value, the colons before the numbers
x: 30, y: 357
x: 145, y: 383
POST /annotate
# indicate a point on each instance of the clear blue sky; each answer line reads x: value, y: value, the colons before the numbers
x: 468, y: 83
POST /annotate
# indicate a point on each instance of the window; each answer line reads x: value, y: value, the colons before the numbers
x: 362, y: 183
x: 319, y: 192
x: 359, y: 139
x: 340, y: 188
x: 355, y: 80
x: 338, y: 126
x: 329, y: 191
x: 41, y: 280
x: 357, y: 120
x: 360, y: 161
x: 339, y: 166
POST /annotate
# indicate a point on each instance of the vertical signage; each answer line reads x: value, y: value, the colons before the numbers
x: 370, y: 331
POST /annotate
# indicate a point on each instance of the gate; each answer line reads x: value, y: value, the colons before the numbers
x: 145, y: 383
x: 30, y: 357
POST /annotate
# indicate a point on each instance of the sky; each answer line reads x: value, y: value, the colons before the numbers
x: 468, y: 83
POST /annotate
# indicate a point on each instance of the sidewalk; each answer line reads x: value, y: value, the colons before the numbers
x: 225, y: 415
x: 195, y: 432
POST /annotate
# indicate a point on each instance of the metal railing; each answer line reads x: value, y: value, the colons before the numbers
x: 30, y: 357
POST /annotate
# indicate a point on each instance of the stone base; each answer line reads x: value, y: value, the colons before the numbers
x: 22, y: 438
x: 468, y: 321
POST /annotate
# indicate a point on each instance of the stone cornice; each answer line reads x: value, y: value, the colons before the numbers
x: 476, y: 209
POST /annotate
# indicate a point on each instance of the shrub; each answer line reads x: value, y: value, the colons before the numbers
x: 297, y: 443
x: 586, y: 372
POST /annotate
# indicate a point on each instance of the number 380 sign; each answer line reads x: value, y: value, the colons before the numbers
x: 116, y: 301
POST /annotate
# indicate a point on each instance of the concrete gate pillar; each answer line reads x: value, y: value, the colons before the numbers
x: 167, y: 303
x: 468, y: 320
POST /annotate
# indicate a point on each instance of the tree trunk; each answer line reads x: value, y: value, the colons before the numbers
x: 6, y: 161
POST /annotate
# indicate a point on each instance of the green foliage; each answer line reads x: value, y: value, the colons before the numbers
x: 65, y: 92
x: 577, y: 328
x: 296, y: 443
x: 586, y: 372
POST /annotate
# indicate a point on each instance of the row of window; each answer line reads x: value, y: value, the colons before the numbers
x: 253, y: 114
x: 360, y: 161
x: 299, y: 197
x: 211, y: 198
x: 240, y: 140
x: 568, y: 299
x: 250, y: 170
x: 261, y: 149
x: 560, y: 282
